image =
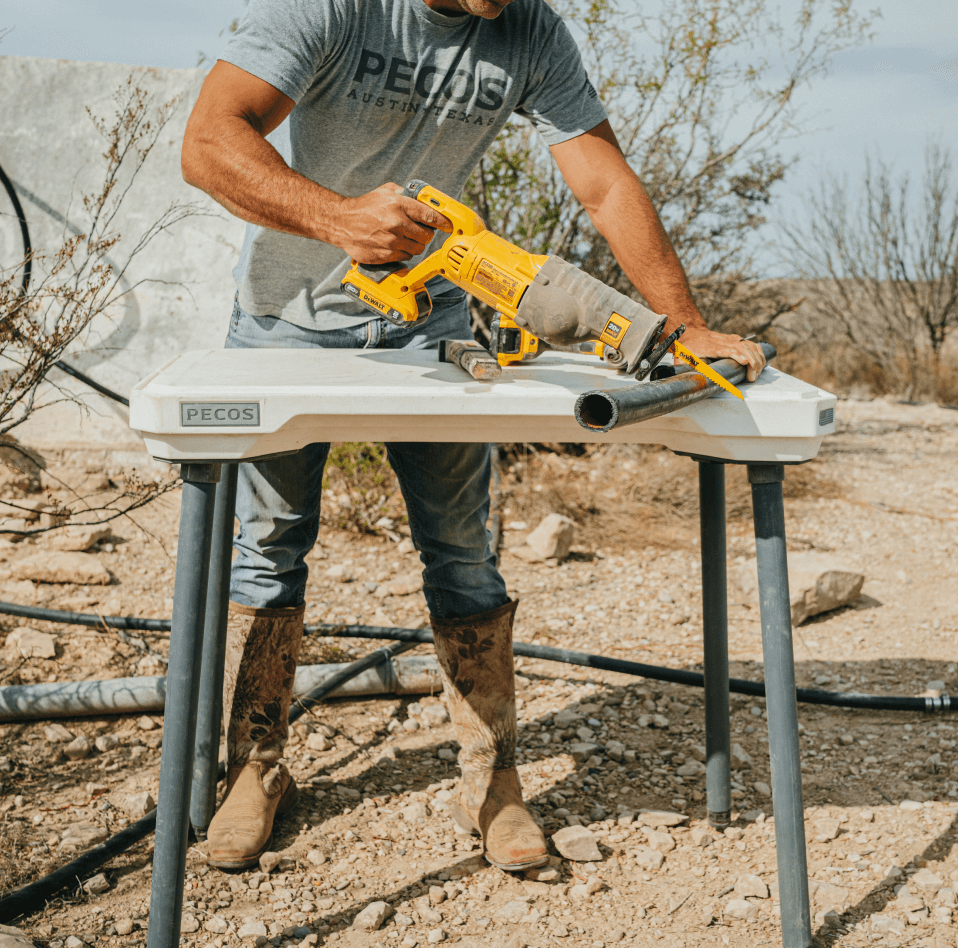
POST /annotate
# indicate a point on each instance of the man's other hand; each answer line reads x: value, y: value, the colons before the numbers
x: 718, y: 345
x: 384, y: 226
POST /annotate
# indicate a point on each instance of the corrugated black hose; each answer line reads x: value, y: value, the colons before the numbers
x: 31, y: 898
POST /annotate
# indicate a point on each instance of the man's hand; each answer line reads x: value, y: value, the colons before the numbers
x: 717, y: 345
x: 384, y: 226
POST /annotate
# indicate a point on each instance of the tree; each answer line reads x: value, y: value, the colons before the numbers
x: 886, y: 264
x: 699, y: 118
x: 49, y: 298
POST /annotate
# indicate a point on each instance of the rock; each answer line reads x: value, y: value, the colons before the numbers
x: 553, y: 538
x: 106, y: 742
x: 659, y: 841
x: 750, y: 885
x: 74, y: 942
x: 81, y: 837
x: 406, y: 585
x: 739, y: 908
x: 649, y: 860
x: 57, y: 734
x: 435, y: 715
x: 253, y: 929
x: 96, y: 885
x: 437, y: 894
x: 886, y: 925
x: 910, y: 805
x: 741, y: 758
x: 655, y: 818
x: 513, y: 912
x: 763, y: 788
x: 829, y: 919
x: 25, y: 642
x: 11, y: 937
x: 269, y: 861
x: 577, y: 843
x: 444, y: 753
x: 817, y: 584
x: 580, y: 892
x: 410, y: 725
x: 78, y: 539
x: 581, y: 750
x: 189, y: 924
x: 615, y: 749
x: 123, y: 926
x: 316, y: 857
x: 79, y: 748
x: 339, y: 574
x: 137, y: 805
x: 318, y: 741
x: 436, y: 936
x: 566, y: 718
x: 372, y: 916
x: 691, y: 768
x: 405, y: 546
x: 82, y: 569
x: 217, y: 925
x: 415, y: 812
x: 826, y: 830
x: 700, y: 837
x: 829, y: 895
x: 585, y: 734
x: 927, y: 881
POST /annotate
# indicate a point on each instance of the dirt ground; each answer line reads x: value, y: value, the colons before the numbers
x: 880, y: 788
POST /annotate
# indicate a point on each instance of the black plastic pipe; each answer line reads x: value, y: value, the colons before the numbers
x: 602, y: 411
x: 677, y: 676
x: 25, y: 285
x: 31, y: 898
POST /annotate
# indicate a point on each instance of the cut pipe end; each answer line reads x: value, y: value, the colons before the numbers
x: 597, y: 411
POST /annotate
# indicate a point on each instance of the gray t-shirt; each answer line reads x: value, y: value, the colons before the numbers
x: 390, y: 90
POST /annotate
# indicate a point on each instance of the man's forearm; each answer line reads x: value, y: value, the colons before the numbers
x: 629, y: 222
x: 248, y: 176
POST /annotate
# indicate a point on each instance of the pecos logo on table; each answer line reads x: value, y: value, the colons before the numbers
x: 419, y: 84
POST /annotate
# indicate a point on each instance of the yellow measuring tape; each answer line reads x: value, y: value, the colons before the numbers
x: 681, y: 353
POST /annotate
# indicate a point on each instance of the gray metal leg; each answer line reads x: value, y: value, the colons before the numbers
x: 783, y: 745
x: 182, y: 691
x: 210, y: 708
x: 715, y: 640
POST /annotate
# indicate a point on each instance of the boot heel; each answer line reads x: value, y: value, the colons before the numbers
x: 463, y: 820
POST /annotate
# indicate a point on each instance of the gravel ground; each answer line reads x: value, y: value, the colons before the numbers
x: 372, y: 825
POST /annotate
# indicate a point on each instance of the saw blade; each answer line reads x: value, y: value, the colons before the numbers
x: 689, y: 358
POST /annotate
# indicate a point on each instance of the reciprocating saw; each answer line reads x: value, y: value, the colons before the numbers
x: 538, y: 298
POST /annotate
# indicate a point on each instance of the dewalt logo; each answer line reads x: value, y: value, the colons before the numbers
x: 369, y: 299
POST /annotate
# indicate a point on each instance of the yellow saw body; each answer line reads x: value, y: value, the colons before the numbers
x: 541, y: 301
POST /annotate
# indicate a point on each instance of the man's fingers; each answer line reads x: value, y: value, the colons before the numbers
x: 420, y: 212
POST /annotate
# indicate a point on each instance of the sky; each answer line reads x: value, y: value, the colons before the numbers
x: 889, y: 95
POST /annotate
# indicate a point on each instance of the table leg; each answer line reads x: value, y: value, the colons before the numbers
x: 182, y: 691
x: 210, y: 708
x: 715, y: 642
x: 783, y: 745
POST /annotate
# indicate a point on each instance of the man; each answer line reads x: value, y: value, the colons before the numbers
x: 356, y: 98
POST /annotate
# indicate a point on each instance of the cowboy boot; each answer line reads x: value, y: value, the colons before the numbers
x: 262, y: 646
x: 478, y: 676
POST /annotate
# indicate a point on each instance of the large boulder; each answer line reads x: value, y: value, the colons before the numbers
x: 816, y: 584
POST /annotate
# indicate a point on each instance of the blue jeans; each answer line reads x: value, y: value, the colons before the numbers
x: 445, y: 486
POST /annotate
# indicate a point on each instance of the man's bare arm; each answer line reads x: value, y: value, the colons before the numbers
x: 619, y: 206
x: 225, y: 153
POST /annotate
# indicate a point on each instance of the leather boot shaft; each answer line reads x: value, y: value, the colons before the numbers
x: 262, y: 648
x: 478, y: 675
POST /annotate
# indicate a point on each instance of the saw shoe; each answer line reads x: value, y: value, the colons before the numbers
x: 262, y: 646
x: 478, y: 675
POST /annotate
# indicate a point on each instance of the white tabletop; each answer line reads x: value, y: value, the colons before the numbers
x: 235, y: 404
